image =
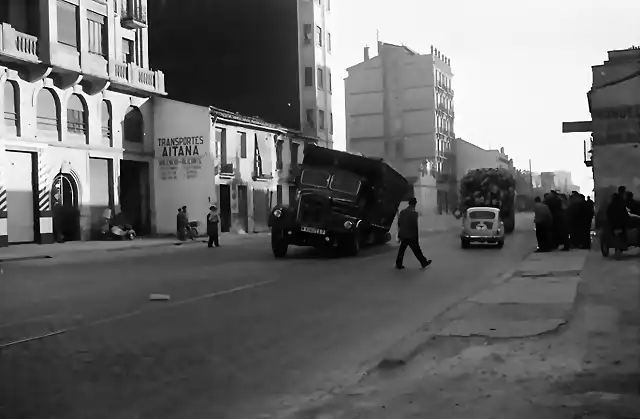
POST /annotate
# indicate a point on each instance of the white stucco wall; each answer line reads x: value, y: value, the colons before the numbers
x: 183, y: 162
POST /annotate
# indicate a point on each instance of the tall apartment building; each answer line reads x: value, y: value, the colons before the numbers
x: 75, y: 77
x: 266, y: 58
x: 399, y: 106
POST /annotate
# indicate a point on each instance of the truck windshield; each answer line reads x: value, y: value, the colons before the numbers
x: 318, y: 178
x: 345, y: 183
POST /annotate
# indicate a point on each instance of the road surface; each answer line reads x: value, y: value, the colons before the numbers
x: 243, y: 335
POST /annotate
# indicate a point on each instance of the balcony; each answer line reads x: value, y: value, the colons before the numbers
x: 132, y: 77
x: 134, y: 14
x: 227, y: 169
x: 588, y: 154
x: 18, y: 46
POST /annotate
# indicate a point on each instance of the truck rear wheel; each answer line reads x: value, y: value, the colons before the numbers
x: 279, y: 245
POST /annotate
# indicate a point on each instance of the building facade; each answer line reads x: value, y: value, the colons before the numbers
x: 75, y: 137
x: 277, y: 63
x: 613, y: 149
x: 209, y: 156
x: 399, y: 106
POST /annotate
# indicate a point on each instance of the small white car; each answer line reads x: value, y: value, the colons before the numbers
x: 482, y: 225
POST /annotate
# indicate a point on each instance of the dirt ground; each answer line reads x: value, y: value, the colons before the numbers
x: 589, y: 368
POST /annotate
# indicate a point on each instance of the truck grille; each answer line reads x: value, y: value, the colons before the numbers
x: 311, y: 212
x: 474, y: 224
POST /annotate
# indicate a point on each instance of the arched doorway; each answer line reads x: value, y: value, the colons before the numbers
x: 65, y: 205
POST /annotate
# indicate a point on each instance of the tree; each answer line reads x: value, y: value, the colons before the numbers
x: 523, y: 182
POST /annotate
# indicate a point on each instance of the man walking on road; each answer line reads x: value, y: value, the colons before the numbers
x: 409, y: 236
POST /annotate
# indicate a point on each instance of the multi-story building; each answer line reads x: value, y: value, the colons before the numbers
x: 275, y: 63
x: 613, y: 150
x: 75, y: 77
x: 399, y: 106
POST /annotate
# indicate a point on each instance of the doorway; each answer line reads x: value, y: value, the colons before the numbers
x: 243, y: 207
x: 66, y: 212
x: 225, y: 208
x: 135, y: 202
x: 21, y: 200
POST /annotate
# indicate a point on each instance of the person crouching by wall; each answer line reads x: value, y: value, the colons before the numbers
x: 212, y: 226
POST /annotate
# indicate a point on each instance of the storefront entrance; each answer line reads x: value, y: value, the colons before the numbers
x: 66, y: 212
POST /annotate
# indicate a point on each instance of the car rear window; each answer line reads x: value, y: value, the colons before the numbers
x: 482, y: 215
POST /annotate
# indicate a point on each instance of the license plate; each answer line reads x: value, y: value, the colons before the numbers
x: 313, y: 230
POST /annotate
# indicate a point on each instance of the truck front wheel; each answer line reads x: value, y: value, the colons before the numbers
x: 351, y: 245
x: 279, y: 245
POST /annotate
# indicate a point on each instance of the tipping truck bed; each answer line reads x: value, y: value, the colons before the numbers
x: 389, y: 186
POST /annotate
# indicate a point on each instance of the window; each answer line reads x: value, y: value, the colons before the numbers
x: 319, y: 35
x: 76, y: 116
x: 320, y: 79
x: 329, y: 80
x: 67, y: 23
x: 399, y: 149
x: 307, y: 34
x: 319, y: 2
x: 321, y: 119
x: 310, y: 118
x: 97, y: 33
x: 331, y: 123
x: 221, y: 144
x: 47, y: 111
x: 279, y: 155
x: 128, y: 51
x: 329, y: 5
x: 258, y: 169
x: 11, y: 105
x: 328, y: 42
x: 294, y: 154
x: 133, y: 125
x: 106, y: 119
x: 243, y: 145
x: 308, y: 76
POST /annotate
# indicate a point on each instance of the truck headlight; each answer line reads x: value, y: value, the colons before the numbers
x: 277, y: 213
x: 348, y: 224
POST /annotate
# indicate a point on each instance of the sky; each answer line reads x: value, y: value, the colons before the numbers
x: 520, y: 68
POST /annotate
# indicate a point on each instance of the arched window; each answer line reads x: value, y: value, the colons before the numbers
x: 76, y: 116
x: 105, y: 113
x: 133, y: 125
x: 11, y: 105
x: 47, y: 113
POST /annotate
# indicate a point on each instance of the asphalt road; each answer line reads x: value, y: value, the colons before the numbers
x: 243, y: 335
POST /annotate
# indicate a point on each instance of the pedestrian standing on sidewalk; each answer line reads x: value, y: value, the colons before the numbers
x: 544, y: 225
x: 409, y: 236
x: 212, y: 226
x: 183, y: 221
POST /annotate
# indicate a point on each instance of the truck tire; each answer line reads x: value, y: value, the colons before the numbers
x: 351, y: 245
x: 509, y: 224
x: 279, y: 245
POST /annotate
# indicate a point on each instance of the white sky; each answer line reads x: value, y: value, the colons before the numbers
x: 520, y: 67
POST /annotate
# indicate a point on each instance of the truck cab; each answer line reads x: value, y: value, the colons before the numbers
x: 338, y: 204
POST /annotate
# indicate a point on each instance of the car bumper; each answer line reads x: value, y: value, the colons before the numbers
x: 488, y: 238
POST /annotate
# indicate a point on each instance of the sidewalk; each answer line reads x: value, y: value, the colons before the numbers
x: 37, y: 251
x: 504, y: 354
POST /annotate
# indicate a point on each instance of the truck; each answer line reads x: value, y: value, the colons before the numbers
x: 490, y: 187
x: 342, y: 202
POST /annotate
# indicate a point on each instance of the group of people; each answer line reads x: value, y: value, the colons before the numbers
x: 563, y: 222
x: 213, y: 220
x: 623, y: 212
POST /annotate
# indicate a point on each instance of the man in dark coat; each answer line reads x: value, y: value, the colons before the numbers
x: 408, y: 234
x: 212, y: 226
x: 182, y: 221
x: 543, y: 221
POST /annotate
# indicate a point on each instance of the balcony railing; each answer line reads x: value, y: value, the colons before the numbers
x: 17, y: 44
x: 227, y: 169
x: 134, y: 76
x: 588, y: 153
x: 134, y: 14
